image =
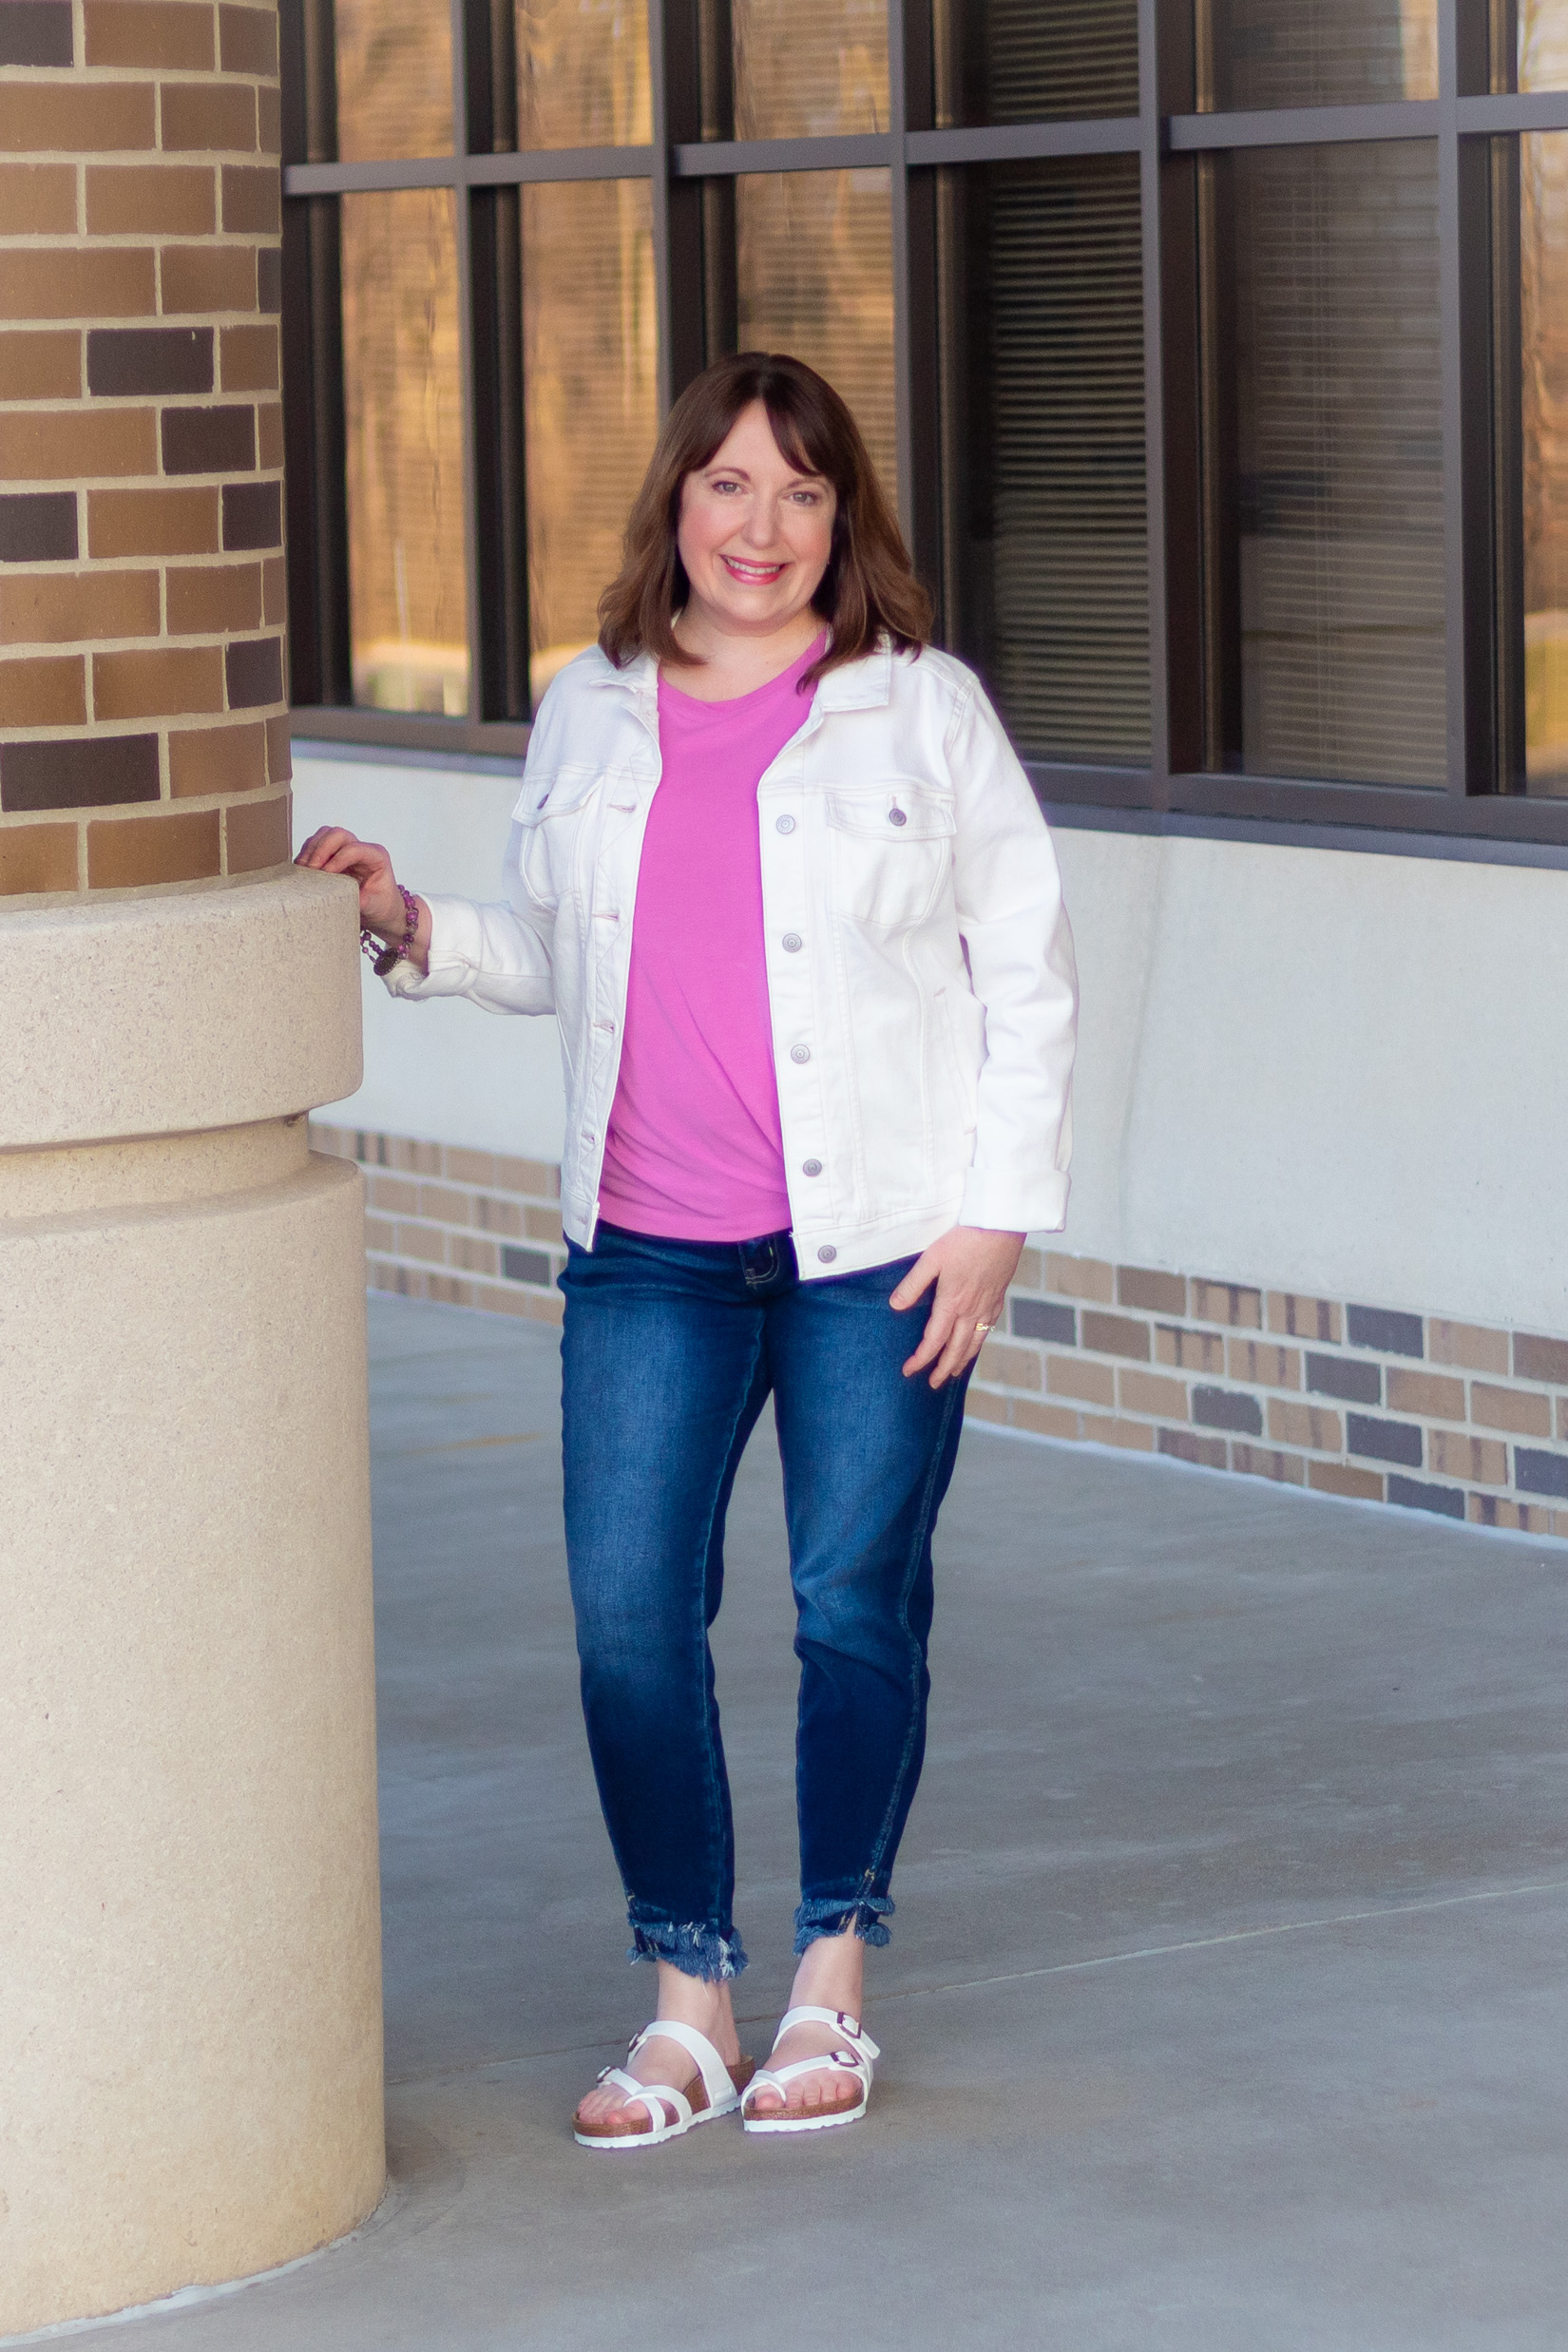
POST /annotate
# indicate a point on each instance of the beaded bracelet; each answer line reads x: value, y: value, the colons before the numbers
x: 383, y: 956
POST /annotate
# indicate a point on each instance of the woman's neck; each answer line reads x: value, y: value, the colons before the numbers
x: 725, y: 666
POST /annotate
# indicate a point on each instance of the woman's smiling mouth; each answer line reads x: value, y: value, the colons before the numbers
x: 753, y: 575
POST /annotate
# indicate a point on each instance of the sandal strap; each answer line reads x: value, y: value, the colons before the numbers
x: 717, y: 2079
x: 859, y: 2041
x: 648, y: 2094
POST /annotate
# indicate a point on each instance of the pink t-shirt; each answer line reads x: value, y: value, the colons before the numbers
x: 693, y: 1150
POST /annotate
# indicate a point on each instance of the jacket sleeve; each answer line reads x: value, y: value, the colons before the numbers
x: 1020, y: 949
x: 497, y: 955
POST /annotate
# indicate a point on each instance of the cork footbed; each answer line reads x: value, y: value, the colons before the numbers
x: 697, y: 2098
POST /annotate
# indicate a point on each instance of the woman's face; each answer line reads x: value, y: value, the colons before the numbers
x: 754, y: 535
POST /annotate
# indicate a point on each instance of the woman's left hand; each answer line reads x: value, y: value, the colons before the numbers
x: 972, y: 1269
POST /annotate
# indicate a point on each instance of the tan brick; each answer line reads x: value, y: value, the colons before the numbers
x: 1011, y: 1368
x: 445, y: 1204
x: 1559, y: 1523
x: 46, y: 692
x: 75, y: 117
x: 1425, y: 1392
x: 153, y: 522
x: 133, y: 852
x: 205, y: 278
x: 423, y: 1241
x: 1052, y: 1421
x: 378, y: 1233
x: 269, y: 120
x: 544, y: 1225
x: 248, y: 38
x: 1482, y: 1460
x: 399, y: 1194
x: 527, y: 1175
x: 217, y: 759
x: 256, y: 834
x: 413, y: 1158
x: 167, y: 683
x: 1337, y: 1478
x: 279, y: 745
x: 269, y: 435
x: 1306, y: 1424
x: 1468, y: 1345
x: 44, y: 365
x: 1134, y: 1437
x: 68, y: 608
x: 465, y: 1167
x: 1081, y: 1277
x: 1537, y: 1358
x: 1510, y: 1409
x: 60, y: 282
x: 65, y: 445
x: 206, y: 115
x: 475, y: 1255
x: 1192, y: 1351
x: 1263, y: 1365
x: 1303, y: 1318
x: 1115, y: 1336
x: 1069, y: 1376
x: 1031, y: 1270
x: 1146, y: 1392
x: 1227, y: 1302
x: 1185, y: 1445
x: 1143, y: 1285
x: 499, y: 1216
x: 978, y: 1405
x: 1258, y: 1461
x: 209, y: 599
x: 171, y: 199
x: 37, y: 199
x: 37, y: 857
x: 250, y: 358
x: 252, y: 200
x: 274, y: 589
x: 168, y: 34
x: 1530, y: 1519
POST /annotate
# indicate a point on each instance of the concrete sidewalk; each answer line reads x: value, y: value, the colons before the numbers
x: 1227, y: 2002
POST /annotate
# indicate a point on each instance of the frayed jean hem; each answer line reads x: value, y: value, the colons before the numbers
x: 697, y: 1951
x: 864, y: 1913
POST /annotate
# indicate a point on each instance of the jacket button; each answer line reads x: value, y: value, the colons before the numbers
x: 792, y: 942
x: 811, y: 1167
x: 800, y: 1053
x: 896, y: 816
x: 826, y: 1254
x: 784, y: 824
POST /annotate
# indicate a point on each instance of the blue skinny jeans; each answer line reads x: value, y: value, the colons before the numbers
x: 670, y: 1350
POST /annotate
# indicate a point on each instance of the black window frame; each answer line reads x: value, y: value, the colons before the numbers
x: 692, y: 187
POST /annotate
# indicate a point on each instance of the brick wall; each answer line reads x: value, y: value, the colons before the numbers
x: 1417, y: 1411
x: 143, y: 732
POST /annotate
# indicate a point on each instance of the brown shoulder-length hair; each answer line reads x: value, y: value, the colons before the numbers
x: 869, y: 587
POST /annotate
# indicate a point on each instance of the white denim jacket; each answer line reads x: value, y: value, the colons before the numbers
x: 920, y: 967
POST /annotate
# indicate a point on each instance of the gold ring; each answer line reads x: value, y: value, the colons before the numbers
x: 983, y: 1327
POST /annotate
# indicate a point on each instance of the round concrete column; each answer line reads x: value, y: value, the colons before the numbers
x: 190, y: 2074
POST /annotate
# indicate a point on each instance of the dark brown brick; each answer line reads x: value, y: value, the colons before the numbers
x: 55, y: 445
x: 74, y: 117
x: 36, y: 33
x: 43, y: 365
x: 269, y: 435
x: 256, y: 834
x: 173, y: 35
x: 181, y: 522
x: 253, y: 516
x: 38, y: 527
x: 269, y: 120
x: 168, y: 684
x: 206, y: 115
x: 250, y: 359
x: 1353, y: 1383
x: 93, y: 771
x: 121, y: 360
x: 1115, y: 1336
x: 254, y: 668
x: 1141, y: 1286
x: 47, y: 691
x: 218, y: 759
x: 1382, y: 1441
x: 1044, y: 1318
x: 1414, y: 1494
x: 36, y: 200
x: 1226, y: 1408
x: 61, y: 281
x: 1382, y: 1327
x: 280, y: 750
x: 172, y: 200
x: 139, y: 851
x: 1537, y: 1472
x: 268, y: 279
x: 219, y: 440
x: 274, y: 589
x: 206, y: 278
x: 1209, y: 1453
x: 68, y: 608
x: 209, y: 599
x: 1540, y: 1359
x: 247, y: 39
x: 253, y: 200
x: 37, y: 857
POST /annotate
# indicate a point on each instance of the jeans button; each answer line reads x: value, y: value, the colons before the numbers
x: 800, y: 1053
x: 827, y: 1253
x: 811, y: 1167
x: 792, y: 942
x: 784, y: 824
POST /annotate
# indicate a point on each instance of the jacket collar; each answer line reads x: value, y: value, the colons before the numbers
x: 863, y: 685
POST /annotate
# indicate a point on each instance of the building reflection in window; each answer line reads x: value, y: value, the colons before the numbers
x: 808, y: 68
x: 1324, y: 552
x: 395, y: 79
x: 1045, y: 541
x: 590, y: 401
x: 1314, y: 52
x: 1021, y: 61
x: 583, y: 73
x: 403, y: 409
x: 1540, y: 46
x: 1543, y: 383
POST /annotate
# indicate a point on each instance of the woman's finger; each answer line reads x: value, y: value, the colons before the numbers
x: 915, y: 1283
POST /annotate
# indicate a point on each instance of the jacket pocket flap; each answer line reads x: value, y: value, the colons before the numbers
x: 894, y: 811
x: 560, y: 793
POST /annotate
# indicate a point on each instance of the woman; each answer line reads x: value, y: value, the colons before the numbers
x: 783, y: 880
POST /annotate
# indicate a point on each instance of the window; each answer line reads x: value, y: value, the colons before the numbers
x: 1218, y: 374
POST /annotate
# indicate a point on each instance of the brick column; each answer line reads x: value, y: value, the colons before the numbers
x: 190, y: 2071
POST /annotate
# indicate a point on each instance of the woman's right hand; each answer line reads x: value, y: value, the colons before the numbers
x: 333, y: 850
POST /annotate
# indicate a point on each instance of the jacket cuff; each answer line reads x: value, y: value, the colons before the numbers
x: 1004, y: 1205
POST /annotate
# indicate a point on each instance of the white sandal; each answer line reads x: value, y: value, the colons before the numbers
x: 855, y: 2057
x: 714, y: 2091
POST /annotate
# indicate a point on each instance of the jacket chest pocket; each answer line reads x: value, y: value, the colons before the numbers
x: 555, y: 820
x: 890, y: 850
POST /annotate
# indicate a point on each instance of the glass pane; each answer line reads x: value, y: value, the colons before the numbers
x: 590, y: 402
x: 1324, y: 579
x: 1541, y: 42
x: 1543, y: 339
x: 403, y: 402
x: 1314, y: 52
x: 808, y: 68
x: 1026, y: 60
x: 394, y: 78
x: 815, y: 270
x: 583, y: 73
x: 1046, y: 538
